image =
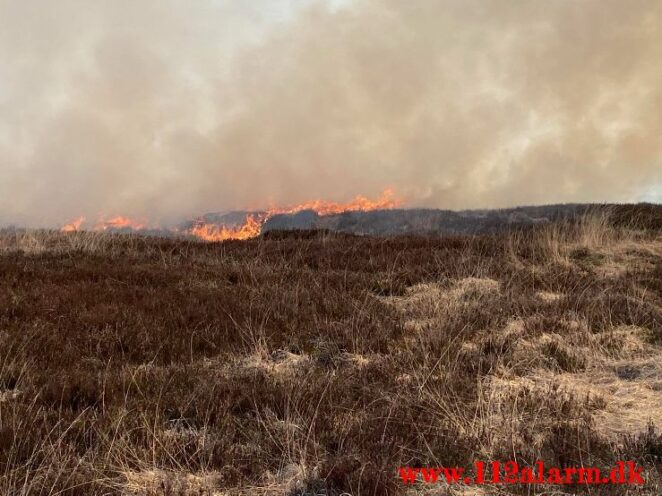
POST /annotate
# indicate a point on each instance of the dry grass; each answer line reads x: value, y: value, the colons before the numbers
x: 313, y: 363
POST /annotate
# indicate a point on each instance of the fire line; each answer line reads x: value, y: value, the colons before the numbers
x: 252, y: 225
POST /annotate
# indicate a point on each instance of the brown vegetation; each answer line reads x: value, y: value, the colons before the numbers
x: 317, y: 363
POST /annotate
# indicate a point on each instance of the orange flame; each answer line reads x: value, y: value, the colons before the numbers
x: 253, y: 223
x: 214, y: 232
x: 118, y: 222
x: 386, y: 201
x: 74, y: 225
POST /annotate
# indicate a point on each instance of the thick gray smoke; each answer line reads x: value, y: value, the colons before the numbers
x: 162, y: 109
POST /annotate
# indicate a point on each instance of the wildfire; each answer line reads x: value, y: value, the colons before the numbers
x: 74, y: 225
x: 253, y: 222
x: 118, y: 222
x: 214, y: 232
x: 113, y: 223
x: 386, y: 201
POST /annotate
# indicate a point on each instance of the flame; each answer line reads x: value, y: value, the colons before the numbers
x: 253, y: 223
x: 386, y: 201
x: 214, y: 232
x: 118, y: 222
x: 74, y: 225
x: 252, y: 226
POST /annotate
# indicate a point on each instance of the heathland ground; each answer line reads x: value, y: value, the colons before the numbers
x: 319, y: 363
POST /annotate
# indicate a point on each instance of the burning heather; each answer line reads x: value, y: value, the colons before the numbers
x: 74, y: 225
x: 252, y: 222
x: 119, y: 222
x: 206, y: 231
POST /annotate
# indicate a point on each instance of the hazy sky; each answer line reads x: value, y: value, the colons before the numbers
x: 164, y: 109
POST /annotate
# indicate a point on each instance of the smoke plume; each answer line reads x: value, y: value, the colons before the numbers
x: 163, y: 109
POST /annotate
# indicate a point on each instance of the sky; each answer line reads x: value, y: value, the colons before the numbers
x: 166, y: 109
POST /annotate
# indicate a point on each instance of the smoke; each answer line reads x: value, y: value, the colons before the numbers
x: 162, y: 109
